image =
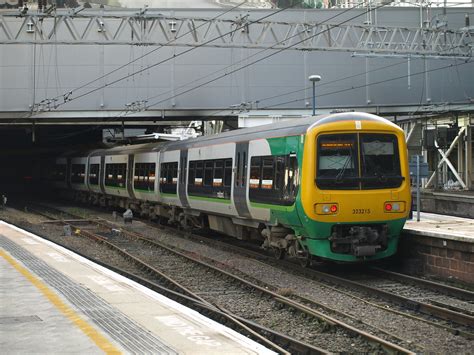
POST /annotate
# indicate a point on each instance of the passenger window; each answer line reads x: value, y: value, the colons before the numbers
x: 210, y: 178
x: 228, y: 172
x: 169, y: 177
x: 255, y: 172
x: 191, y: 172
x: 208, y: 170
x: 273, y: 179
x: 115, y: 175
x: 94, y: 174
x: 144, y: 177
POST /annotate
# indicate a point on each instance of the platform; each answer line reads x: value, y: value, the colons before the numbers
x: 55, y: 301
x: 439, y: 245
x: 437, y: 225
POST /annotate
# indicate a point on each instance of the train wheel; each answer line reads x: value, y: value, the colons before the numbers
x: 305, y: 260
x: 278, y: 253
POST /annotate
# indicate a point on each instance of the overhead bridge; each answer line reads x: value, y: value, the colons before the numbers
x: 241, y: 31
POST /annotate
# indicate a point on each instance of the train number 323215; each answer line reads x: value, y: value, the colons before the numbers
x: 361, y: 211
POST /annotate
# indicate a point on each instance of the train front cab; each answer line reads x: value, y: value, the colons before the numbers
x: 355, y: 189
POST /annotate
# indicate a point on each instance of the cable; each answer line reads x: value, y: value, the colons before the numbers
x: 182, y: 53
x: 362, y: 86
x: 333, y: 81
x: 138, y: 58
x: 326, y: 94
x: 266, y: 57
x: 253, y: 55
x: 174, y: 56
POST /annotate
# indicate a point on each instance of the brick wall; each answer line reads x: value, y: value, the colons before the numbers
x: 449, y: 259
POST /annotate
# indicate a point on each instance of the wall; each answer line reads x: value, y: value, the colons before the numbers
x: 447, y: 259
x: 31, y: 73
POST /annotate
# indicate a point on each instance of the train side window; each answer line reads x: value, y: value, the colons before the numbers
x: 163, y: 173
x: 169, y: 177
x: 212, y: 178
x: 268, y: 173
x: 94, y: 174
x: 144, y: 176
x: 280, y: 167
x: 151, y: 176
x: 292, y: 177
x: 198, y: 180
x: 208, y: 173
x: 218, y: 179
x: 78, y: 172
x: 255, y: 172
x: 273, y: 179
x: 228, y: 172
x: 191, y: 173
x: 115, y: 175
x: 59, y: 172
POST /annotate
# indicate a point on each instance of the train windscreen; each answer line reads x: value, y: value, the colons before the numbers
x: 358, y: 161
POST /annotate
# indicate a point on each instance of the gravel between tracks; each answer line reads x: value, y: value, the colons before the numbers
x: 431, y: 338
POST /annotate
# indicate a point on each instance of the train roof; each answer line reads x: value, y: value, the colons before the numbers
x: 279, y: 129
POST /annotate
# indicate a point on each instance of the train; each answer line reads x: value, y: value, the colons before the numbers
x: 328, y: 187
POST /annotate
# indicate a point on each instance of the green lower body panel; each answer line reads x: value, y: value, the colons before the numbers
x: 316, y: 240
x: 322, y: 249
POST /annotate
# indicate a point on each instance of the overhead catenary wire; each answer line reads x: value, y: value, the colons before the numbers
x: 175, y: 56
x: 255, y: 54
x: 217, y: 112
x: 266, y: 57
x: 68, y: 94
x: 364, y: 85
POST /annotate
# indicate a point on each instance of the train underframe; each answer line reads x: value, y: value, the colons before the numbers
x: 356, y: 240
x: 278, y: 239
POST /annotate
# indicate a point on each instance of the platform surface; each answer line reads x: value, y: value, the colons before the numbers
x: 55, y: 301
x: 446, y: 227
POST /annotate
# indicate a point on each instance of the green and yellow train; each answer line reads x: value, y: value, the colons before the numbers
x: 333, y: 187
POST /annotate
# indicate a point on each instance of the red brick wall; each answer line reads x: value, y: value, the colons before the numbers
x: 449, y: 259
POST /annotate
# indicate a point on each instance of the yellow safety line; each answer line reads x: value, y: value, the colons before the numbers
x: 103, y: 343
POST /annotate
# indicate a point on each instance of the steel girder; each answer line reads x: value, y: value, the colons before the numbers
x: 160, y: 30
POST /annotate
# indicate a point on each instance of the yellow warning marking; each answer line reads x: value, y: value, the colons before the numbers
x: 86, y: 328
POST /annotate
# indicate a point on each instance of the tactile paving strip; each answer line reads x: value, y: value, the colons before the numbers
x: 123, y: 330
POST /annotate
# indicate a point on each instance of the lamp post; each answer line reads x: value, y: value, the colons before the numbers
x: 314, y: 79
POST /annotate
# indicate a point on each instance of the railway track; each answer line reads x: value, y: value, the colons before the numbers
x: 214, y: 287
x: 454, y: 306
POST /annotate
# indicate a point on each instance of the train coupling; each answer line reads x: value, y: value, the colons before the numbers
x: 359, y: 240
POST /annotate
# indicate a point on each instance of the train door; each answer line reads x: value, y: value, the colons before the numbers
x: 182, y: 184
x: 130, y: 170
x: 240, y: 179
x: 102, y: 174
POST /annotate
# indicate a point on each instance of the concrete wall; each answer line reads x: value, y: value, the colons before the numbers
x: 460, y: 204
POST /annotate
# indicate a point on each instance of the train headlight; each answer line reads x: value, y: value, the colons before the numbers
x: 326, y: 208
x: 394, y: 206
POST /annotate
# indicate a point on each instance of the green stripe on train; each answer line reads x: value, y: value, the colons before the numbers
x: 210, y: 199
